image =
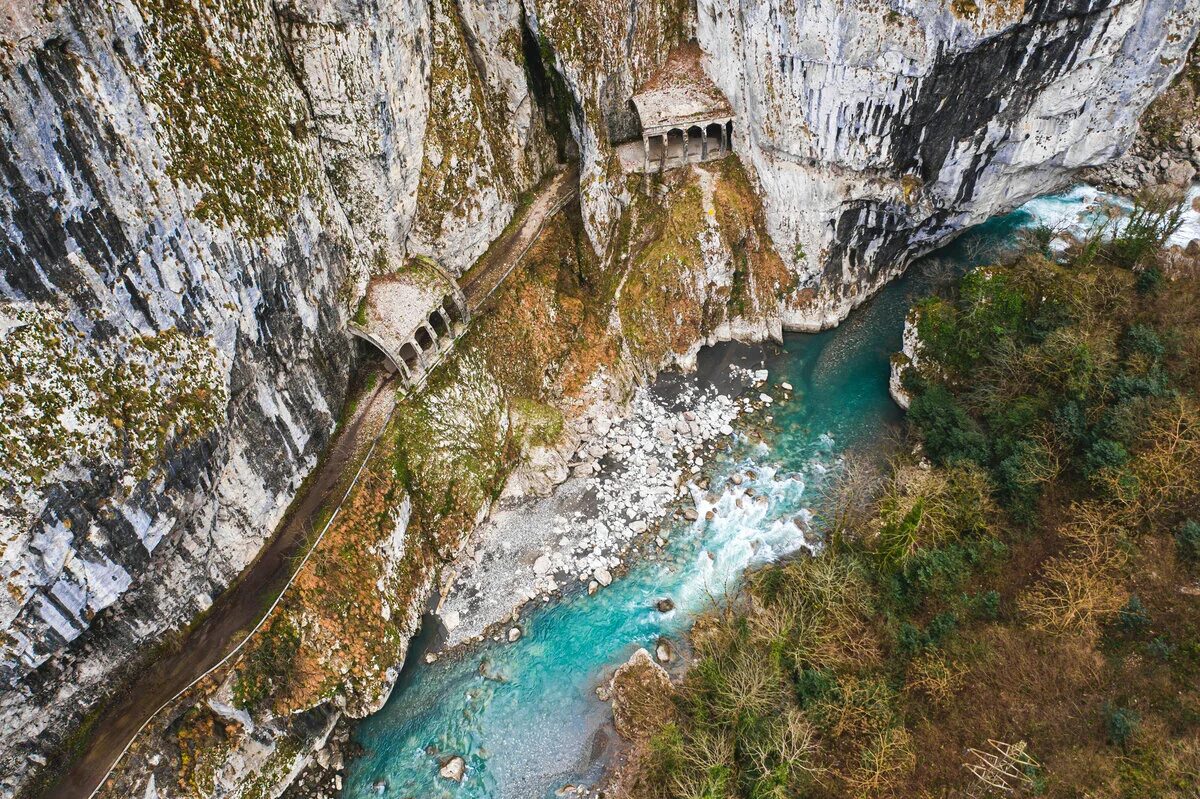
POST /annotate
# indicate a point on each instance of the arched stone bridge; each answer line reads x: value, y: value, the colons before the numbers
x: 413, y: 317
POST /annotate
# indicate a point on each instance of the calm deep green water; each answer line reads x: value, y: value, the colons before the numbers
x: 541, y: 726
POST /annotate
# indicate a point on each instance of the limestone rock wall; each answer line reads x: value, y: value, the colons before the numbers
x: 192, y: 196
x: 877, y: 130
x: 168, y: 238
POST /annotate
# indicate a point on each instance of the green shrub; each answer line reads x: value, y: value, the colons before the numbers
x: 1132, y: 616
x: 1156, y: 215
x: 1149, y: 280
x: 1187, y: 541
x: 1120, y: 724
x: 949, y: 433
x: 1142, y: 340
x: 1104, y: 454
x: 985, y: 605
x: 1160, y: 648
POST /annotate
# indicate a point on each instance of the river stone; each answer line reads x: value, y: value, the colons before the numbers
x: 602, y: 576
x: 453, y: 769
x: 1180, y: 173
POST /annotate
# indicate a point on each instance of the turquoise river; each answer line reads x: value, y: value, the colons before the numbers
x: 542, y: 726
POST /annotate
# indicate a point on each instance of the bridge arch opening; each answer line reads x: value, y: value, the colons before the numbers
x: 453, y: 311
x: 438, y: 324
x: 411, y: 357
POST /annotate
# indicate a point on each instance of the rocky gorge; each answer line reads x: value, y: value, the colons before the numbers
x: 196, y: 195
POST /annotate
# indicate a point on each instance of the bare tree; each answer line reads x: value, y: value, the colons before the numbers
x: 1003, y: 768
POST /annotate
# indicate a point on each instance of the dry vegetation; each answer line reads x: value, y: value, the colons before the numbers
x: 1013, y: 611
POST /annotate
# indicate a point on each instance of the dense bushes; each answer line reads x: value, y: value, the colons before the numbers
x: 1012, y: 591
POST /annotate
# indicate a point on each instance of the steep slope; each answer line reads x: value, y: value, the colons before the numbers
x: 875, y: 130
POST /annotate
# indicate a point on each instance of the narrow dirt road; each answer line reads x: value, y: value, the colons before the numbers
x: 508, y: 250
x: 234, y: 612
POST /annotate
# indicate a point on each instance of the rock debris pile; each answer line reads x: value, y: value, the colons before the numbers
x: 628, y: 475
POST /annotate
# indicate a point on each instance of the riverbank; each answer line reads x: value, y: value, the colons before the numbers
x: 1008, y: 605
x: 580, y: 536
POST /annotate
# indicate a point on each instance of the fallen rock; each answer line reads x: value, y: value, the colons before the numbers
x: 690, y: 514
x: 663, y: 651
x: 593, y: 587
x: 514, y: 634
x: 541, y: 566
x: 603, y: 577
x: 451, y: 619
x: 1180, y: 173
x: 453, y: 769
x: 665, y: 605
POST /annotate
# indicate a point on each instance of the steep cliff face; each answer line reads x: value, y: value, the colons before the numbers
x: 876, y: 130
x: 176, y: 264
x: 193, y: 196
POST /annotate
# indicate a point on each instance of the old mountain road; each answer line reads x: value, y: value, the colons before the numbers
x: 240, y: 608
x: 507, y: 251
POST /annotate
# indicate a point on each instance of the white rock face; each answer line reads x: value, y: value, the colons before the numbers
x: 909, y: 355
x: 142, y: 196
x: 875, y: 133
